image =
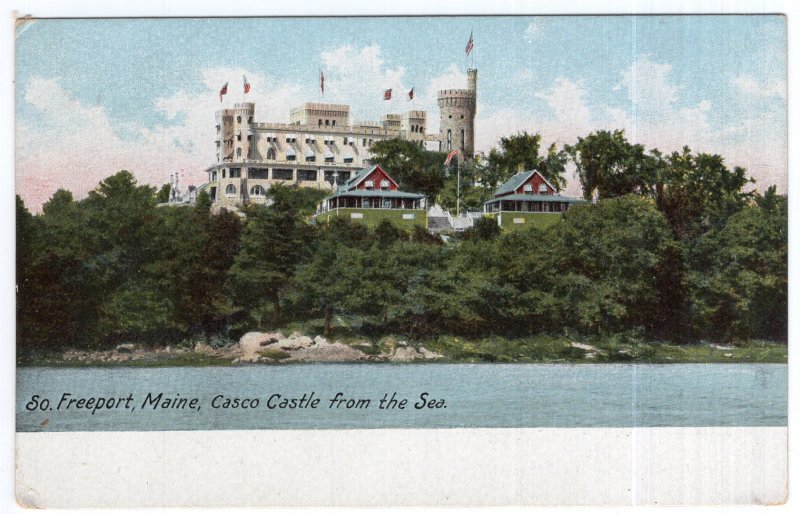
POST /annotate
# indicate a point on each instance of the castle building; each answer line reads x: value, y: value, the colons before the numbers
x: 320, y: 146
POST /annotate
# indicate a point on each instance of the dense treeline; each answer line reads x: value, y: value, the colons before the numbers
x: 673, y: 249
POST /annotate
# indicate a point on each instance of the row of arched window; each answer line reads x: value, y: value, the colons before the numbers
x: 230, y: 189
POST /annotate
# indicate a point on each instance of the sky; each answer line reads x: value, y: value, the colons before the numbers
x: 96, y: 96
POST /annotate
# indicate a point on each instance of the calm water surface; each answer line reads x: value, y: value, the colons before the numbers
x: 475, y: 395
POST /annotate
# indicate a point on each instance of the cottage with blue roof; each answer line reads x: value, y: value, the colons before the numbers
x: 527, y: 198
x: 371, y: 196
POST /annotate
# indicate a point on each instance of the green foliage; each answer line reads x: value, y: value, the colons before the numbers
x: 273, y: 241
x: 520, y: 152
x: 737, y: 283
x: 611, y: 166
x: 163, y: 194
x: 301, y: 200
x: 415, y: 168
x: 674, y: 249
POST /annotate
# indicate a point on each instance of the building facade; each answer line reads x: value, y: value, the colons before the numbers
x: 372, y: 196
x: 527, y: 199
x: 320, y: 146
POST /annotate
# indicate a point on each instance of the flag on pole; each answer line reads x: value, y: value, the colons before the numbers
x: 470, y: 44
x: 322, y: 81
x: 411, y: 94
x: 246, y: 85
x: 387, y: 95
x: 223, y: 91
x: 450, y: 156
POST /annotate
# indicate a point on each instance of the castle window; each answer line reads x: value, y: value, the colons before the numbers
x: 307, y: 175
x: 462, y: 116
x: 462, y: 139
x: 223, y: 172
x: 258, y: 173
x: 320, y: 123
x: 282, y: 174
x: 333, y: 123
x: 290, y: 154
x: 310, y: 157
x: 236, y: 173
x: 271, y: 154
x: 238, y: 136
x: 450, y: 117
x: 449, y: 139
x: 217, y: 127
x: 238, y: 119
x: 364, y: 142
x: 256, y: 191
x: 327, y: 122
x: 230, y: 189
x: 249, y: 119
x: 239, y: 152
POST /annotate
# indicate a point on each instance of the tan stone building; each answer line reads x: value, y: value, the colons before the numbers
x: 321, y: 146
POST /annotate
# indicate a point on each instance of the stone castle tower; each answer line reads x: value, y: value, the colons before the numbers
x: 457, y: 117
x: 235, y: 134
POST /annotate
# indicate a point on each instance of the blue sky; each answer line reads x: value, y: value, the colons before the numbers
x: 93, y: 96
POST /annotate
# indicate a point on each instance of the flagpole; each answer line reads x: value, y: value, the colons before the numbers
x: 458, y: 187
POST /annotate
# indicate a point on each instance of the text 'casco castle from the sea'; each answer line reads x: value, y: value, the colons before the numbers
x: 320, y: 146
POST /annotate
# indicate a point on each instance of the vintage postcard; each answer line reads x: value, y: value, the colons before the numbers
x: 393, y: 261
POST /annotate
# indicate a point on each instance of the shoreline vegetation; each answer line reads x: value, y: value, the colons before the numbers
x: 672, y: 258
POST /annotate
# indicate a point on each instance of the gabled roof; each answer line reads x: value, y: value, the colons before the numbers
x: 359, y: 177
x: 517, y: 180
x: 537, y: 198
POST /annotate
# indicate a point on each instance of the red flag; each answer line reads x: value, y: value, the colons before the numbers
x: 246, y: 85
x: 411, y: 94
x: 387, y: 95
x: 223, y: 91
x: 450, y: 156
x: 322, y: 81
x: 470, y: 44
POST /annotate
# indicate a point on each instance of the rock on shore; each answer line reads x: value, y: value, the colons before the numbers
x: 264, y: 347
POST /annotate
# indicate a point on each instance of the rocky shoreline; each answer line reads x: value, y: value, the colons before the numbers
x: 261, y: 348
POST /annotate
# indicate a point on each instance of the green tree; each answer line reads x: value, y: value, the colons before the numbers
x: 273, y: 241
x: 611, y: 166
x: 415, y: 168
x: 737, y: 276
x: 163, y: 194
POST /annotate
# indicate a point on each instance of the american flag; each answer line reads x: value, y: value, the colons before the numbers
x: 223, y: 91
x: 450, y: 156
x: 470, y: 43
x: 387, y: 95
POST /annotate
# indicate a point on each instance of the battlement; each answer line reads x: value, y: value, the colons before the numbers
x: 455, y: 93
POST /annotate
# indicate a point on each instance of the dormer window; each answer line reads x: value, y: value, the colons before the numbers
x: 527, y: 188
x: 369, y: 184
x: 543, y: 188
x: 384, y: 184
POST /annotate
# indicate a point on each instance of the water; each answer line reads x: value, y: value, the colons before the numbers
x: 475, y: 395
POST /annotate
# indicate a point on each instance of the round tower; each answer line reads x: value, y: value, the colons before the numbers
x: 457, y: 117
x: 243, y: 136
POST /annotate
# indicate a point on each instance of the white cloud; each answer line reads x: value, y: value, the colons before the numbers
x: 648, y: 86
x: 749, y: 85
x: 534, y: 30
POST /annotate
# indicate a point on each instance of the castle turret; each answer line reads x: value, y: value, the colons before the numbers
x: 243, y: 137
x: 457, y: 117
